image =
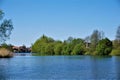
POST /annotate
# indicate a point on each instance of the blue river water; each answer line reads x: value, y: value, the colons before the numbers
x: 60, y: 68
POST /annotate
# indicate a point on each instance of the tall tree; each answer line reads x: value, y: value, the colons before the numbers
x: 5, y: 29
x: 95, y: 37
x: 70, y: 39
x: 116, y: 42
x: 118, y: 34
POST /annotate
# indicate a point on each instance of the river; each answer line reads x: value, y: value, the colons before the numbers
x: 60, y: 68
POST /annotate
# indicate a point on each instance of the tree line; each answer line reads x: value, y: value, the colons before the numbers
x: 95, y: 44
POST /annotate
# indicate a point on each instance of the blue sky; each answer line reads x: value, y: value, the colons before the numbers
x: 60, y: 19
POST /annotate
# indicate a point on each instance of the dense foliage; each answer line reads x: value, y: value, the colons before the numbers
x: 95, y: 44
x: 104, y: 47
x: 72, y: 46
x: 48, y: 46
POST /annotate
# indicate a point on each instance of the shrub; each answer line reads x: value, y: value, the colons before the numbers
x: 5, y: 53
x: 104, y: 47
x: 79, y: 49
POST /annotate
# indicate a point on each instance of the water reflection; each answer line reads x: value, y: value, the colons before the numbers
x: 60, y: 67
x: 116, y: 67
x: 3, y: 68
x: 105, y: 68
x: 22, y: 54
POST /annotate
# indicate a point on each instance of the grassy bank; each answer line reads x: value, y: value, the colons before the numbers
x: 115, y: 52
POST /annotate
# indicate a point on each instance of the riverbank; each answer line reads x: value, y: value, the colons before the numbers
x: 5, y: 53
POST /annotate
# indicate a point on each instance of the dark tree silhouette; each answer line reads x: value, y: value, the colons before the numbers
x: 5, y: 28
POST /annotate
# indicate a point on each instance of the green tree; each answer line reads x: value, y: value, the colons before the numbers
x: 49, y: 49
x: 45, y: 39
x: 94, y: 39
x: 79, y: 49
x: 43, y: 46
x: 64, y: 51
x: 68, y: 47
x: 104, y: 47
x: 77, y: 41
x: 36, y: 47
x: 58, y: 49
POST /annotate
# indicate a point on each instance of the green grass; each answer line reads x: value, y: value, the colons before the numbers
x: 115, y: 52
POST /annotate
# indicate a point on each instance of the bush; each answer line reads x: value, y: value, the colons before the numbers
x: 5, y: 53
x: 104, y: 47
x: 79, y: 49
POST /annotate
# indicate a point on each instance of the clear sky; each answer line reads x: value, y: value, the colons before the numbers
x: 60, y: 19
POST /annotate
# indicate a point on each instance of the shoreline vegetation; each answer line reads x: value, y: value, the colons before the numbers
x: 5, y: 53
x: 96, y: 44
